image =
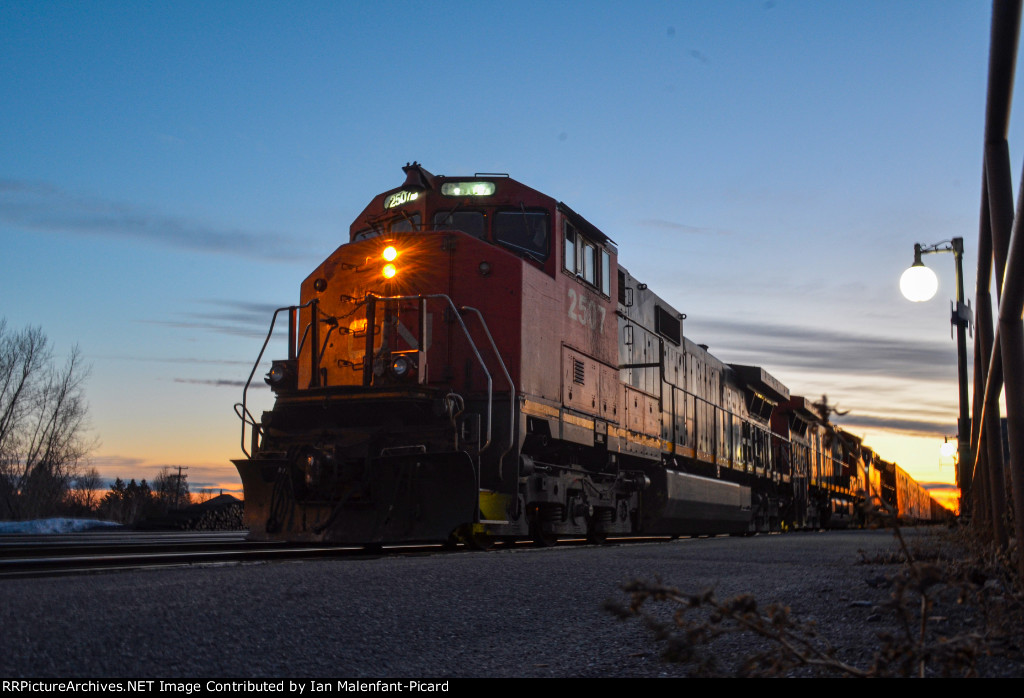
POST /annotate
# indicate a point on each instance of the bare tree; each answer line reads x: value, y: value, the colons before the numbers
x: 84, y: 495
x: 205, y: 494
x: 43, y: 423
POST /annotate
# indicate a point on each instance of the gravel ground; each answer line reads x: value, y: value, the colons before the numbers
x: 520, y: 612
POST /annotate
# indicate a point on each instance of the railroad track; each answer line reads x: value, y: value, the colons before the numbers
x: 38, y: 556
x: 81, y: 553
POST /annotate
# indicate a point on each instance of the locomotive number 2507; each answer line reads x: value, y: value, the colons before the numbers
x: 586, y: 312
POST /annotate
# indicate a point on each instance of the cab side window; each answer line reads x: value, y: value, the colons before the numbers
x: 586, y: 259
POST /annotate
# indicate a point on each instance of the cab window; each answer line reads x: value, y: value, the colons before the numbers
x: 523, y: 231
x: 471, y: 222
x: 405, y: 224
x: 586, y: 259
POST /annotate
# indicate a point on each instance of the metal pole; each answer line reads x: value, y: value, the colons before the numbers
x: 371, y: 321
x: 1011, y: 341
x: 1005, y: 38
x: 959, y: 319
x: 293, y: 314
x: 994, y: 232
x: 314, y: 345
x: 997, y: 221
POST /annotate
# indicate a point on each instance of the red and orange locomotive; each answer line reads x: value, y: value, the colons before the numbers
x: 475, y: 364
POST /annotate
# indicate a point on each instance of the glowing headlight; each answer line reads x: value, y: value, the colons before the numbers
x: 389, y: 271
x: 467, y: 188
x: 389, y: 254
x: 276, y: 374
x: 400, y: 367
x: 282, y: 375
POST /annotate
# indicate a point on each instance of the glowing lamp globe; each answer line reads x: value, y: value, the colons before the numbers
x: 948, y: 449
x: 919, y: 283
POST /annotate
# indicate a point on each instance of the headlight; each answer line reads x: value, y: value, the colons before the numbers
x: 400, y: 367
x: 282, y: 376
x: 389, y: 255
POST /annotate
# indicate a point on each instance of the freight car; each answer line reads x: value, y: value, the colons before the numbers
x: 474, y: 364
x: 902, y: 494
x: 829, y: 477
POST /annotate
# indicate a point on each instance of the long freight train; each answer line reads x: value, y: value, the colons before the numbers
x: 474, y: 364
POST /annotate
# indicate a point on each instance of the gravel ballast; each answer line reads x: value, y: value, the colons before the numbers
x: 520, y: 612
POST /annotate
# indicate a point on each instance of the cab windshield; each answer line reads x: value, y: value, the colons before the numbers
x: 524, y: 231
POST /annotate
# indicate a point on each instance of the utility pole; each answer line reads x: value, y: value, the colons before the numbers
x: 179, y: 487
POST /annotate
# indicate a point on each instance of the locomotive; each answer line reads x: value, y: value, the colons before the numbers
x: 474, y: 364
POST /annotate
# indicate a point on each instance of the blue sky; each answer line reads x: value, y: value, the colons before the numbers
x: 170, y: 172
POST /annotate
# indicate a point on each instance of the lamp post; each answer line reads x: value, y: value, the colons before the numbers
x: 918, y: 284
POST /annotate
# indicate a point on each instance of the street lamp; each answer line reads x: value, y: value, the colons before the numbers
x: 918, y: 284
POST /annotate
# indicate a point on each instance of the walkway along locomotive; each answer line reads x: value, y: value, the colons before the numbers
x: 475, y: 363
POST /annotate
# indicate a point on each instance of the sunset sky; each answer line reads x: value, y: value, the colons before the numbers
x: 170, y: 172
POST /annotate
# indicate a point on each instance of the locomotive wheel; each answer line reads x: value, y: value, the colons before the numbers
x: 479, y: 541
x: 541, y: 538
x: 473, y: 540
x: 596, y: 535
x: 544, y: 540
x: 536, y: 515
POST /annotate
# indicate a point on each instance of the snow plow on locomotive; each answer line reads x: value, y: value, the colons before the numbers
x: 475, y: 364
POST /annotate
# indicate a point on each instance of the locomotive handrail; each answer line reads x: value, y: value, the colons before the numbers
x: 291, y: 343
x: 472, y: 345
x: 512, y: 393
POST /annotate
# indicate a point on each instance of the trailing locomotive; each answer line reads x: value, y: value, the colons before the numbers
x: 475, y: 364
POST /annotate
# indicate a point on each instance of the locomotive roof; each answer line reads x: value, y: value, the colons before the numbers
x: 506, y: 192
x: 588, y: 228
x: 761, y: 380
x: 804, y: 408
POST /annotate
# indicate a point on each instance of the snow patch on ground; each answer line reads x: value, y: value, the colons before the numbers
x: 55, y: 526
